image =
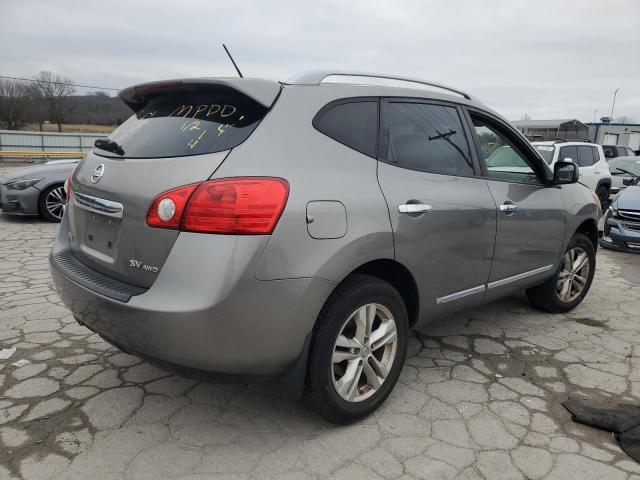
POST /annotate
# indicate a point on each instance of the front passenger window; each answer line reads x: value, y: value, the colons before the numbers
x: 501, y: 159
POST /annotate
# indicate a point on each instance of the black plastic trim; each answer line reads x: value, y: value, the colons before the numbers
x: 68, y: 265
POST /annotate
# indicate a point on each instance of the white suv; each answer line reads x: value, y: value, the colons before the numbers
x: 594, y: 171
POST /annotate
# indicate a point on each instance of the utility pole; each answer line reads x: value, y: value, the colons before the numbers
x: 595, y: 114
x: 615, y: 93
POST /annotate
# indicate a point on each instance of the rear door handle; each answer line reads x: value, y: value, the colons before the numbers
x: 414, y: 208
x: 508, y: 208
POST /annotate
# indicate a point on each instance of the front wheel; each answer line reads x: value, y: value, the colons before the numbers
x: 51, y: 202
x: 568, y: 287
x: 358, y: 349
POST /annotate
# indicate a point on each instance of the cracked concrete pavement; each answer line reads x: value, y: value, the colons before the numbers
x: 479, y: 396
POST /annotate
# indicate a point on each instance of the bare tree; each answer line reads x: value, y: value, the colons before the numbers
x: 13, y: 104
x: 54, y: 92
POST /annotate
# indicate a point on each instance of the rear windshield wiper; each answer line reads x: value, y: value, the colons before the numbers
x: 109, y: 146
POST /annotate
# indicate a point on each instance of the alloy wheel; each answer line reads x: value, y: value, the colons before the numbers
x: 364, y: 352
x: 54, y: 202
x: 573, y: 275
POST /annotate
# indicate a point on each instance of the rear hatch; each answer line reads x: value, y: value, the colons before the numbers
x: 180, y: 134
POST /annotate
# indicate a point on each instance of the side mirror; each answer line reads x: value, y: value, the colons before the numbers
x: 565, y: 172
x: 628, y: 181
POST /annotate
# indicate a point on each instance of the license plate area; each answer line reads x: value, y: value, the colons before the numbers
x: 100, y: 236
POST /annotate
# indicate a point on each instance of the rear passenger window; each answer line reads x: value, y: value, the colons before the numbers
x: 354, y: 124
x: 427, y: 138
x: 585, y: 156
x: 568, y: 152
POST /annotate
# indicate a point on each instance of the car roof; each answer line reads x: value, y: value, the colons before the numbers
x: 265, y: 91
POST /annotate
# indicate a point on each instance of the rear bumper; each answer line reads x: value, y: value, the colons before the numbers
x: 621, y: 235
x: 203, y: 313
x: 19, y: 202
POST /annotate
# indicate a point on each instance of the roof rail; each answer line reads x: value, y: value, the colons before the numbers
x: 315, y: 77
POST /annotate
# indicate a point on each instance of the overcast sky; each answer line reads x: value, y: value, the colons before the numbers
x: 547, y: 59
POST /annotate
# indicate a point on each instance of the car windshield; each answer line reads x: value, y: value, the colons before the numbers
x: 617, y: 165
x: 545, y: 152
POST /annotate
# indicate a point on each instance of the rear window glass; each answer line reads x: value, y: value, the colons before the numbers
x: 354, y: 124
x: 188, y: 121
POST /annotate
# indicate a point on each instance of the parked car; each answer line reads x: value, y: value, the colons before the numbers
x: 36, y: 190
x: 615, y: 151
x: 622, y: 219
x: 623, y: 170
x: 250, y: 229
x: 594, y: 172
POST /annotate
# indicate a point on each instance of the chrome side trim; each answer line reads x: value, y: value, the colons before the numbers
x: 520, y: 276
x: 414, y: 208
x: 459, y: 295
x: 99, y: 205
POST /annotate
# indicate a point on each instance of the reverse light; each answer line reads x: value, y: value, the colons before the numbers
x: 240, y: 206
x: 167, y: 208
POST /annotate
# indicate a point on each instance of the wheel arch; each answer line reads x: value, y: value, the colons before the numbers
x: 396, y: 274
x: 43, y: 190
x: 606, y: 182
x: 589, y: 228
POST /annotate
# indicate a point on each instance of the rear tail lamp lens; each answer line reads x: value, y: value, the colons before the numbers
x: 240, y: 206
x: 167, y: 208
x: 67, y: 185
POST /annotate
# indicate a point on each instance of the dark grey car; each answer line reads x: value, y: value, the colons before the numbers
x: 244, y: 229
x: 622, y: 218
x: 36, y: 190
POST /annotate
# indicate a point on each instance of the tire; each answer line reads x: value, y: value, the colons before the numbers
x: 45, y: 202
x: 547, y: 297
x: 338, y: 316
x: 603, y: 194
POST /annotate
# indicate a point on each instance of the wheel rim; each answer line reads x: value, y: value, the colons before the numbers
x: 573, y: 275
x: 364, y: 352
x: 54, y: 202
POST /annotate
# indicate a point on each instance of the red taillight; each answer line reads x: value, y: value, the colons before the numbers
x: 158, y: 215
x: 242, y: 206
x: 67, y: 185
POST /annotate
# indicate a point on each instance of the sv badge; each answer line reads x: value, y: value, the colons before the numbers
x: 138, y: 265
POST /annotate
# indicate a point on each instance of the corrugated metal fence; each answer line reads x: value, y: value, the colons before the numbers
x: 15, y: 141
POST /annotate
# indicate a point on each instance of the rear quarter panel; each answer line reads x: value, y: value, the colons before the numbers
x: 317, y: 168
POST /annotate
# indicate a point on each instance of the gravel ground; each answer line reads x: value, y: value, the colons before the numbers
x: 479, y: 397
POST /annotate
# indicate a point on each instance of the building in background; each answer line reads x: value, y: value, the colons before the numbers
x: 565, y: 129
x: 611, y: 133
x: 603, y: 132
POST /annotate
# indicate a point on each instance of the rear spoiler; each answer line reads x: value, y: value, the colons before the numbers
x: 262, y: 91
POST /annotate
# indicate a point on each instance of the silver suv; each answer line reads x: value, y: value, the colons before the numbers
x: 243, y: 229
